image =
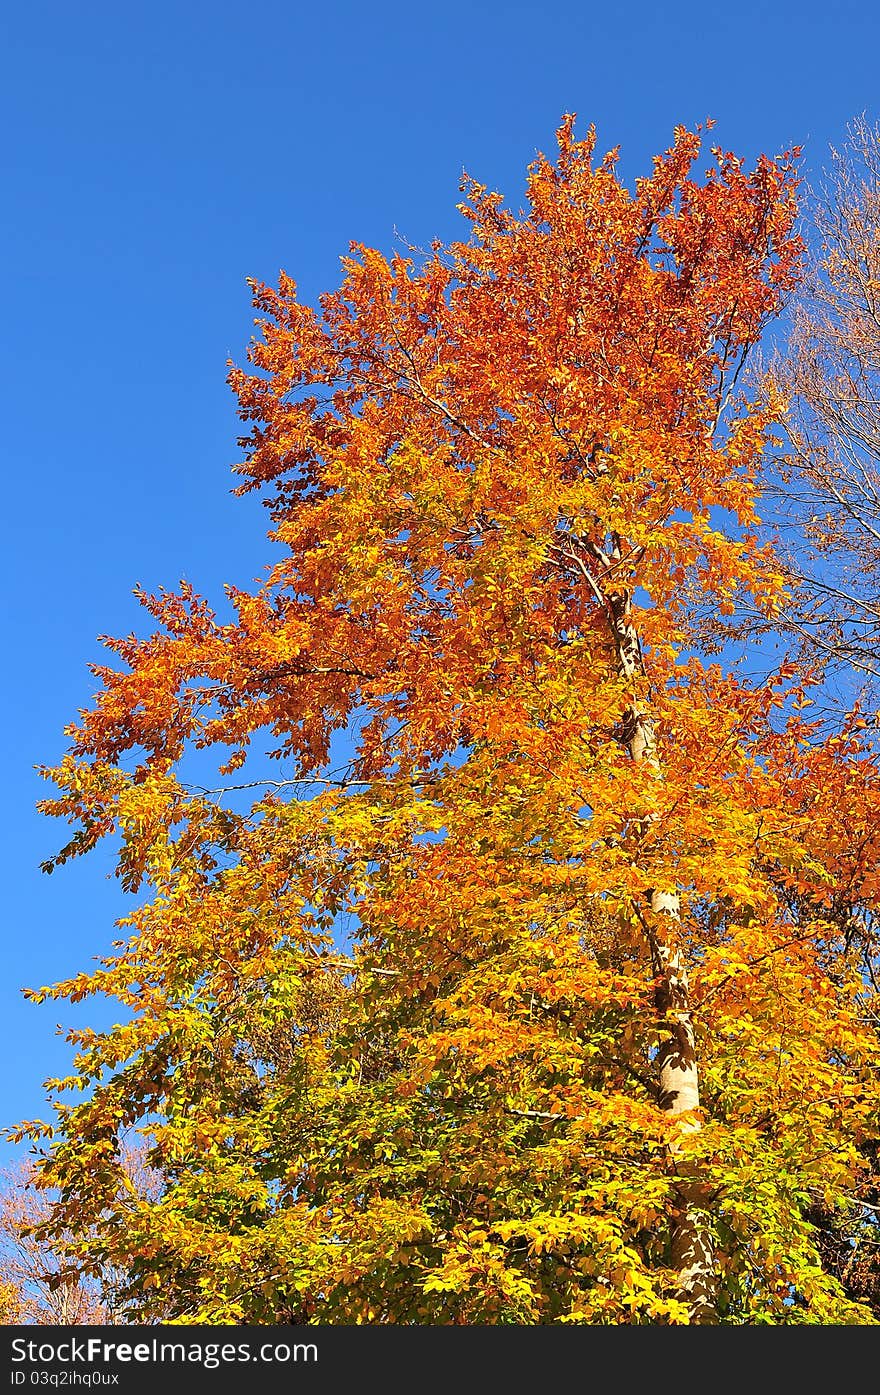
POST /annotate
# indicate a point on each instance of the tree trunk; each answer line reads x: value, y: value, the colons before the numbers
x: 679, y: 1094
x: 692, y: 1253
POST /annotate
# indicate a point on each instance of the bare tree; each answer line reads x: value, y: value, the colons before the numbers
x: 36, y: 1284
x: 829, y: 489
x: 40, y: 1283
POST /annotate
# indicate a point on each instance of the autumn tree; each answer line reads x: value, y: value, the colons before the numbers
x: 523, y: 991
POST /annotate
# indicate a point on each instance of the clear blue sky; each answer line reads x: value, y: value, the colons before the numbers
x: 157, y: 154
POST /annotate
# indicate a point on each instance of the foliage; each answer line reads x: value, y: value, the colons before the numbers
x: 506, y: 481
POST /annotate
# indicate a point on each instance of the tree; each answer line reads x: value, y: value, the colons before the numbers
x: 827, y: 494
x: 830, y: 490
x: 38, y: 1282
x: 595, y: 1038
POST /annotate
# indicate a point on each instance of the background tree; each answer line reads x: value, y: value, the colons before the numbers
x: 39, y: 1283
x: 596, y: 1037
x: 830, y: 490
x: 826, y: 507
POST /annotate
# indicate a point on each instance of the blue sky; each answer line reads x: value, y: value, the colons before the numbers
x: 156, y: 155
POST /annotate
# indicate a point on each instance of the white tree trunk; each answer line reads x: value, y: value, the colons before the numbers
x: 691, y: 1246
